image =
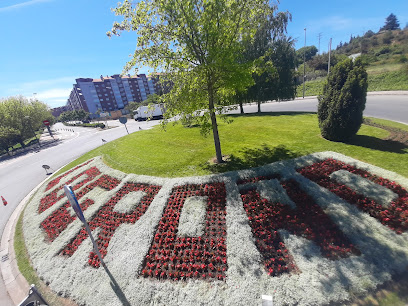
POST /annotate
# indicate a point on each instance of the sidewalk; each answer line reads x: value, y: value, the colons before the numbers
x: 46, y: 141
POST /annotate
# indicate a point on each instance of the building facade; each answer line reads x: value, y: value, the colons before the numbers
x: 58, y: 111
x: 110, y: 93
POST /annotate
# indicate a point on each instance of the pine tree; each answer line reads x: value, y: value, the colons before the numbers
x: 391, y: 23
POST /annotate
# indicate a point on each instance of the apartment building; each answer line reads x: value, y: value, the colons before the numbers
x: 111, y: 92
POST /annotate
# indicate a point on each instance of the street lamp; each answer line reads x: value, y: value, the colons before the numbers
x: 304, y: 66
x: 31, y: 127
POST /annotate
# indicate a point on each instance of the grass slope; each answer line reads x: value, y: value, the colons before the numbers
x: 250, y: 140
x: 383, y: 81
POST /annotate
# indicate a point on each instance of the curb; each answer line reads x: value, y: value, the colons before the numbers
x: 16, y: 285
x: 369, y: 93
x: 387, y: 93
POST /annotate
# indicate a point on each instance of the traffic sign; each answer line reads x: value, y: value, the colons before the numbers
x: 74, y: 202
x: 46, y: 122
x: 123, y: 120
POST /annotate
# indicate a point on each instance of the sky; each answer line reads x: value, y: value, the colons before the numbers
x: 46, y: 44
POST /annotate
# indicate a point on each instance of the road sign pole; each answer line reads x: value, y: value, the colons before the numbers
x: 123, y: 120
x: 75, y: 205
x: 95, y: 246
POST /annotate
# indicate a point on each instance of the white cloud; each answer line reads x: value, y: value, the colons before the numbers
x: 53, y: 94
x: 20, y: 5
x: 53, y: 97
x: 37, y: 85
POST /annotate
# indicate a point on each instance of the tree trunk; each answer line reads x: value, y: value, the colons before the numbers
x: 241, y: 107
x: 214, y: 125
x: 259, y: 106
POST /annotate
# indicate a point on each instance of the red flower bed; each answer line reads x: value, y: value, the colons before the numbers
x: 57, y: 180
x: 61, y: 218
x: 180, y: 258
x: 109, y: 220
x: 395, y: 216
x: 307, y: 220
x: 52, y: 198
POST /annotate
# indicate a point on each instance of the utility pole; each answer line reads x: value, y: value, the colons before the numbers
x: 304, y: 66
x: 319, y: 36
x: 328, y: 65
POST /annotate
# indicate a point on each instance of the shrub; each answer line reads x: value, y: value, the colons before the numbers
x: 387, y: 38
x: 340, y: 110
x: 383, y: 50
x: 403, y: 59
x: 368, y: 59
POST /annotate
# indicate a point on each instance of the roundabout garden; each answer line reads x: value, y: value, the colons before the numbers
x: 316, y: 229
x: 319, y: 228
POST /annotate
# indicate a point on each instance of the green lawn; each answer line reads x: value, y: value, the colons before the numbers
x: 250, y: 140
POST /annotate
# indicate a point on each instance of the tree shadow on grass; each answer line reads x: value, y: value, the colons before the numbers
x: 374, y: 143
x: 250, y: 158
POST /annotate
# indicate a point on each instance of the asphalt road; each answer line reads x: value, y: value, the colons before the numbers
x: 19, y: 175
x: 391, y: 107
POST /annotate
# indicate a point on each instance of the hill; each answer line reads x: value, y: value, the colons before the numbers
x: 385, y: 55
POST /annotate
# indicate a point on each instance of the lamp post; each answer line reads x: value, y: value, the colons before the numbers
x: 32, y: 130
x: 304, y: 66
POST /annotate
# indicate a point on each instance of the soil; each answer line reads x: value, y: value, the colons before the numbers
x: 396, y: 134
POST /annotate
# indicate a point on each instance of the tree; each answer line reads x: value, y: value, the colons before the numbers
x: 198, y: 44
x: 274, y: 62
x: 369, y: 34
x: 276, y: 80
x: 15, y: 112
x: 340, y: 109
x: 8, y: 138
x: 391, y: 23
x: 387, y: 38
x: 80, y: 115
x: 321, y: 61
x: 151, y: 99
x: 308, y: 52
x: 75, y: 115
